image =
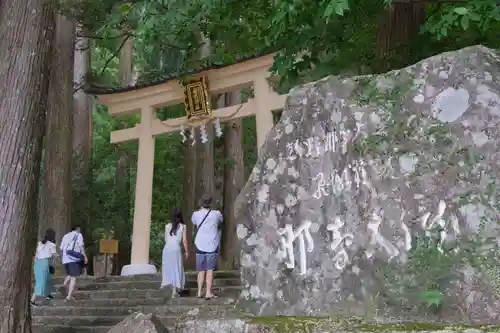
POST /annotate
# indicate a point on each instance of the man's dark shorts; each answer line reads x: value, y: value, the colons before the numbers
x: 73, y: 268
x: 206, y: 261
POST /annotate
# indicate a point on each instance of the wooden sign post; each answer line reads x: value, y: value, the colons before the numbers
x: 107, y: 246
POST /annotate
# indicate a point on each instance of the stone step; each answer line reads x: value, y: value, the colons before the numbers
x: 78, y: 320
x: 136, y: 285
x: 40, y: 328
x: 109, y: 321
x: 223, y: 291
x: 171, y: 328
x: 127, y: 302
x: 209, y: 308
x: 156, y: 277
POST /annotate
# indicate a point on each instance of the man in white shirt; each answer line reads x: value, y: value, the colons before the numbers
x: 73, y: 242
x: 208, y: 224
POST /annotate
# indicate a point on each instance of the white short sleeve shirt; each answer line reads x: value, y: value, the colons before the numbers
x: 70, y: 239
x: 208, y: 236
x: 45, y: 251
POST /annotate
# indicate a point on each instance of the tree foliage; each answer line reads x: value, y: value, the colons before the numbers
x: 477, y: 15
x: 313, y: 38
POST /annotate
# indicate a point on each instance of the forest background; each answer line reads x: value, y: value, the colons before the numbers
x: 126, y: 43
x: 96, y: 44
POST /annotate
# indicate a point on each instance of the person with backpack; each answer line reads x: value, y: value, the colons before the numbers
x: 73, y: 258
x: 208, y: 223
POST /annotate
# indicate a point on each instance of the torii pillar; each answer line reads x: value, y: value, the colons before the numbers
x: 139, y: 261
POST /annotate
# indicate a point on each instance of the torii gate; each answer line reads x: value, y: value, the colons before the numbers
x: 146, y: 99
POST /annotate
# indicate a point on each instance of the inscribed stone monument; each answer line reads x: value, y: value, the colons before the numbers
x: 378, y: 196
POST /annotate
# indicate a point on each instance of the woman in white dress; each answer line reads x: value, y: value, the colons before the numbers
x: 172, y: 265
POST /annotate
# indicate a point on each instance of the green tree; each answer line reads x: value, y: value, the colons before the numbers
x: 26, y: 36
x: 55, y: 198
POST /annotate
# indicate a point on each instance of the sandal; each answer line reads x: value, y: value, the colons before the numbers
x: 207, y: 298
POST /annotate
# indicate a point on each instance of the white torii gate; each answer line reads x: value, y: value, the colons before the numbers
x: 253, y: 72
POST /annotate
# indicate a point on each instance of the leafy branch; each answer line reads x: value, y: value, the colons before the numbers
x: 90, y: 36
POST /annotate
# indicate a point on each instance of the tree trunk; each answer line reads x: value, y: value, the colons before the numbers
x: 234, y: 180
x: 205, y: 170
x: 198, y: 170
x: 55, y: 210
x: 189, y: 194
x: 82, y: 143
x: 398, y: 25
x: 123, y: 224
x: 218, y: 195
x: 26, y: 35
x: 126, y: 65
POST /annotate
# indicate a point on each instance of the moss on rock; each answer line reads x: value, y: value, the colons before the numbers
x: 296, y: 324
x: 292, y: 324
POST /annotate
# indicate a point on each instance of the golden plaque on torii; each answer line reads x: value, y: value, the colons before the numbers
x: 197, y: 99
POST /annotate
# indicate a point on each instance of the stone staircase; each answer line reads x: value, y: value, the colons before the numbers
x: 100, y: 303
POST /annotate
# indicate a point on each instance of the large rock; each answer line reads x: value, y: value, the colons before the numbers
x: 139, y: 323
x: 377, y: 196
